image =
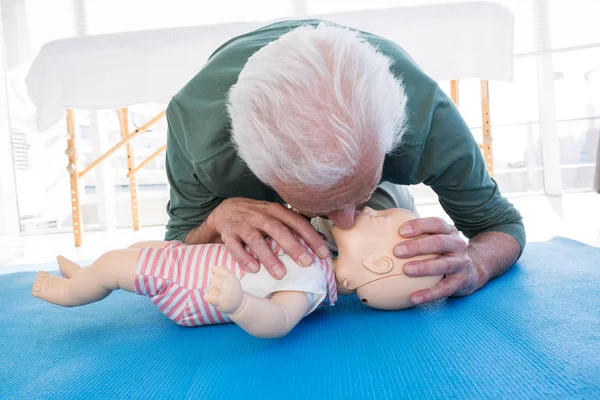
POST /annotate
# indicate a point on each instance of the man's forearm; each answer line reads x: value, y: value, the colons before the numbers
x: 204, y: 233
x: 492, y: 254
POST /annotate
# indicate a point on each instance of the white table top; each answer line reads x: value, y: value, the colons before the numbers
x: 449, y: 41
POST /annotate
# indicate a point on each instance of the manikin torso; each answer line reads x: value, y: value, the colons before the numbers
x: 176, y: 278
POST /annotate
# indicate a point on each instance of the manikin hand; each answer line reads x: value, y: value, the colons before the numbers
x: 225, y: 291
x: 462, y: 277
x: 242, y: 221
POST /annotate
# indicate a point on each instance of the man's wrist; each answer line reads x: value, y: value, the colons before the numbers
x: 483, y: 275
x: 204, y: 233
x: 492, y: 253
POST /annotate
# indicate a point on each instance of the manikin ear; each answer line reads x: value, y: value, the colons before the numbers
x: 378, y: 264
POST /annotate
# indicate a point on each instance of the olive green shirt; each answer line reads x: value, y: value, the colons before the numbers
x: 438, y: 148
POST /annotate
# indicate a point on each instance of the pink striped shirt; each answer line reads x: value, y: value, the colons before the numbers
x: 177, y: 276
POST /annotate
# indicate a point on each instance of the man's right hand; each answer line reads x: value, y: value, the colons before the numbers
x: 241, y: 221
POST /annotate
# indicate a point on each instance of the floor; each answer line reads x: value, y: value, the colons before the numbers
x: 573, y: 215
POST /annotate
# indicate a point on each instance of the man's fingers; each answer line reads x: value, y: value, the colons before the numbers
x: 443, y: 265
x: 240, y: 254
x: 421, y: 226
x: 444, y: 288
x: 290, y: 245
x: 257, y: 243
x: 432, y: 244
x: 244, y: 221
x: 302, y: 227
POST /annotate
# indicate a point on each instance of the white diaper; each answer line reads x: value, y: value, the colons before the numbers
x: 311, y: 280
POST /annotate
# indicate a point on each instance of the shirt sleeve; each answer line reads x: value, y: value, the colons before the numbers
x: 190, y: 201
x: 451, y: 163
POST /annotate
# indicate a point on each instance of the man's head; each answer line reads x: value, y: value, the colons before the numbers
x: 313, y: 115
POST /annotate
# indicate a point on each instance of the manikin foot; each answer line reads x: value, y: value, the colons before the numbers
x: 50, y: 288
x: 225, y: 291
x: 67, y: 267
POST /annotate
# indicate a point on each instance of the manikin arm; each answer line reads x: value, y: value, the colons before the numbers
x: 271, y: 318
x: 264, y: 318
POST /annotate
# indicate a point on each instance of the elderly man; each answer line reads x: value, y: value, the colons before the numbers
x: 303, y: 120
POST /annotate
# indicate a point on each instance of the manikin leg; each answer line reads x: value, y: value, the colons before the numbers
x: 68, y: 268
x: 113, y: 270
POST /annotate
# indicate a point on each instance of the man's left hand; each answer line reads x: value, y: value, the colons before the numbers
x: 461, y: 278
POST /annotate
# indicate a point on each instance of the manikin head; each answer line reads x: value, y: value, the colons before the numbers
x: 313, y: 115
x: 367, y: 265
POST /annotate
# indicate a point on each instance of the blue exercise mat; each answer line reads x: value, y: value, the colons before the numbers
x: 532, y: 333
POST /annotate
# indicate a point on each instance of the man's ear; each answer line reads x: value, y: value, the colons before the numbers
x: 378, y: 264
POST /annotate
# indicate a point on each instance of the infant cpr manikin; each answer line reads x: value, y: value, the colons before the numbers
x: 202, y: 284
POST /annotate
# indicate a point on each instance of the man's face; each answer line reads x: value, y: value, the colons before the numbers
x: 338, y: 204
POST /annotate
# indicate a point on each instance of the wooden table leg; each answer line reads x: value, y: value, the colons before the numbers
x: 454, y: 91
x: 486, y: 127
x: 71, y: 152
x: 149, y: 159
x: 124, y: 122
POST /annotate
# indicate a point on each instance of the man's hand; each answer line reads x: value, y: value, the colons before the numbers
x: 462, y: 277
x: 242, y: 222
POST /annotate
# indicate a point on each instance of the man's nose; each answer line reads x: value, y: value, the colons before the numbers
x: 343, y: 218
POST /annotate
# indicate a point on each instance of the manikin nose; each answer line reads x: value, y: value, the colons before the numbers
x: 343, y: 218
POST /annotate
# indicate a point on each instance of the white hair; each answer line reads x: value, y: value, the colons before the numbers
x: 310, y: 106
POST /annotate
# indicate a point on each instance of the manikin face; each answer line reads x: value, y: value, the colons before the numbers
x: 366, y: 262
